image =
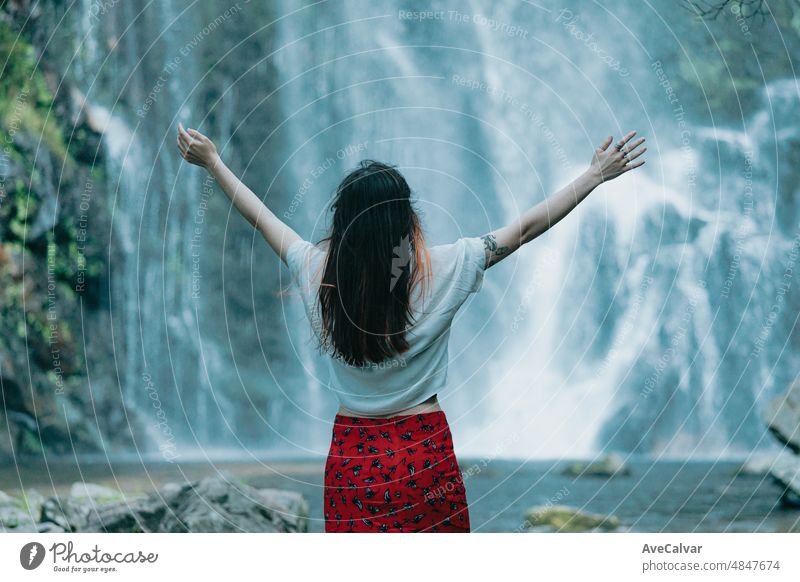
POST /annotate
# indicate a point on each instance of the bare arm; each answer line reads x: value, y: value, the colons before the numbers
x: 199, y: 150
x: 608, y: 163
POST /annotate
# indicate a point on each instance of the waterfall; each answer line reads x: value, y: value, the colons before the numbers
x: 612, y: 331
x: 654, y: 319
x: 135, y: 95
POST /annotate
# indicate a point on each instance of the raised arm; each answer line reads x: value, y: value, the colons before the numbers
x: 197, y: 149
x: 607, y: 164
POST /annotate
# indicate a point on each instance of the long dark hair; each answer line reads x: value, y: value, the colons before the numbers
x: 376, y: 255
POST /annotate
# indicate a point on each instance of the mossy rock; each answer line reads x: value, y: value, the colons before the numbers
x: 15, y: 515
x: 82, y: 491
x: 563, y: 518
x: 608, y: 466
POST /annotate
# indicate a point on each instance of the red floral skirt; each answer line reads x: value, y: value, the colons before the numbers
x: 397, y: 474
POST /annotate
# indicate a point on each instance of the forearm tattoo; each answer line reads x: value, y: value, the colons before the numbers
x: 490, y: 244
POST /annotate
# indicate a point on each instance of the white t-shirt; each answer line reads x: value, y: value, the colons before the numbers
x: 412, y: 377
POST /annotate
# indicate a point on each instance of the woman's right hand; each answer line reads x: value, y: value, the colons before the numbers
x: 196, y: 148
x: 610, y: 162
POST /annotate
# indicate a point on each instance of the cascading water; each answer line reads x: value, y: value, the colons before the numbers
x: 135, y: 94
x: 614, y: 330
x: 641, y: 323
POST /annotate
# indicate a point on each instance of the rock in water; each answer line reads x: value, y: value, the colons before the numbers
x: 213, y: 504
x: 757, y: 464
x: 563, y: 518
x: 785, y: 471
x: 782, y: 415
x: 610, y: 465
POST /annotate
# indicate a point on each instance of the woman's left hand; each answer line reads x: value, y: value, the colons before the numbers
x: 608, y: 163
x: 196, y: 148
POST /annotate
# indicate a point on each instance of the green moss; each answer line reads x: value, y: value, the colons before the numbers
x: 19, y: 57
x: 98, y: 174
x: 25, y: 101
x: 21, y: 329
x: 722, y: 69
x: 30, y: 442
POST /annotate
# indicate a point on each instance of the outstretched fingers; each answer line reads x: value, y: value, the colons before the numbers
x: 632, y: 155
x: 621, y: 143
x: 604, y: 146
x: 634, y: 165
x: 632, y: 146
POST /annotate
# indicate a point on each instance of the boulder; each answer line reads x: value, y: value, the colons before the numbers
x: 136, y: 516
x: 562, y: 518
x: 62, y: 514
x: 782, y: 415
x: 785, y: 471
x: 213, y: 504
x: 34, y: 501
x: 72, y: 512
x: 610, y: 465
x: 49, y: 527
x: 15, y: 515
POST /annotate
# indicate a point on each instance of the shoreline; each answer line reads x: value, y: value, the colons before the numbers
x: 652, y: 496
x: 61, y: 472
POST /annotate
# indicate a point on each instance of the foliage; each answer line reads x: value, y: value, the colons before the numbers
x: 25, y: 101
x: 729, y: 49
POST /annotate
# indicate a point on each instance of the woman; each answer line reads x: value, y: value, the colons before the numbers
x: 380, y: 302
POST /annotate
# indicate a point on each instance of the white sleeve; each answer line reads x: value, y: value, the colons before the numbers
x: 297, y: 256
x: 473, y: 265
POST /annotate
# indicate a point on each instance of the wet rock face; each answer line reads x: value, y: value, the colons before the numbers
x: 53, y: 249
